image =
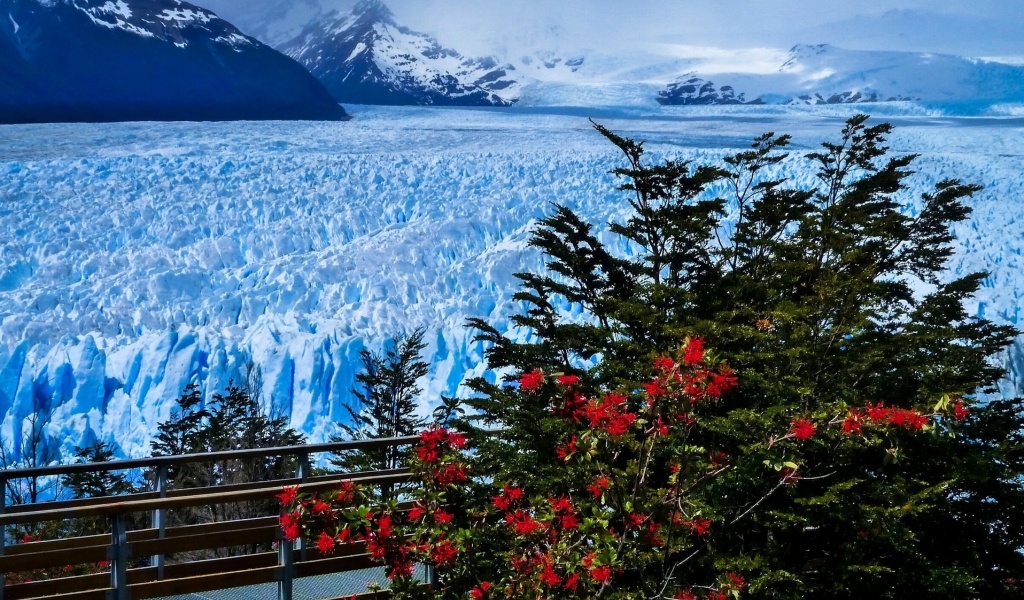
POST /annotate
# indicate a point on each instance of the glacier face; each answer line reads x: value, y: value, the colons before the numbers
x: 136, y: 258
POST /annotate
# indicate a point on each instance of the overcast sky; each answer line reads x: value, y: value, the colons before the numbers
x: 971, y: 27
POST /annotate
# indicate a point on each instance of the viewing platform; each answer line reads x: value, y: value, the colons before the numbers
x: 141, y: 553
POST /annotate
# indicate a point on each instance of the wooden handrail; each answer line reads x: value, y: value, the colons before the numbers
x: 155, y: 461
x: 136, y: 506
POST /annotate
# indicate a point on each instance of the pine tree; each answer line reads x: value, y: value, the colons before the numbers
x: 811, y: 295
x: 386, y: 404
x: 233, y: 420
x: 96, y: 484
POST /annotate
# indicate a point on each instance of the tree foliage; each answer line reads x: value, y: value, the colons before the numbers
x: 386, y: 404
x: 233, y: 420
x: 829, y: 301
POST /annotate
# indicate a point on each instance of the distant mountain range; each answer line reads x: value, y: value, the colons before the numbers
x: 127, y: 60
x: 824, y: 74
x: 118, y: 60
x: 365, y: 57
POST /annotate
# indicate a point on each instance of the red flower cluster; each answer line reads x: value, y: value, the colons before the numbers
x: 597, y: 489
x: 509, y: 495
x: 802, y: 429
x: 610, y: 414
x: 531, y: 382
x: 444, y: 553
x: 291, y: 525
x: 522, y: 522
x: 568, y: 380
x: 480, y: 590
x: 881, y: 415
x: 693, y: 355
x: 436, y: 439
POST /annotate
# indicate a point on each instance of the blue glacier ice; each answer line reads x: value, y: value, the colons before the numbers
x: 137, y: 258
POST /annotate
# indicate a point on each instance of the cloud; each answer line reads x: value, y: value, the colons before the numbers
x: 508, y: 27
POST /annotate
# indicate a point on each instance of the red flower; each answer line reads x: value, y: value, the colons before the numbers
x: 570, y: 522
x: 522, y: 522
x: 684, y: 595
x: 601, y: 574
x: 531, y: 382
x: 802, y: 429
x: 321, y: 508
x: 655, y: 389
x: 634, y: 520
x: 291, y: 525
x: 907, y: 418
x: 664, y: 364
x: 700, y: 525
x: 456, y: 440
x: 384, y: 526
x: 601, y: 483
x: 878, y: 413
x: 450, y: 473
x: 568, y: 380
x: 563, y: 452
x: 721, y: 382
x: 347, y: 492
x: 442, y: 517
x: 852, y: 423
x: 480, y: 591
x: 427, y: 455
x: 549, y: 577
x: 694, y: 352
x: 561, y: 504
x: 619, y: 425
x: 736, y: 581
x: 572, y: 582
x: 718, y: 595
x: 444, y: 553
x: 960, y: 412
x: 286, y: 497
x: 417, y: 512
x: 325, y: 543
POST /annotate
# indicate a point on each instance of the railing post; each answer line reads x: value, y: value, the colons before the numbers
x: 302, y: 472
x: 3, y: 532
x: 284, y: 559
x: 119, y: 557
x: 159, y: 518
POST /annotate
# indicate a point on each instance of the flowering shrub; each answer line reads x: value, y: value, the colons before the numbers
x: 636, y: 503
x: 39, y: 534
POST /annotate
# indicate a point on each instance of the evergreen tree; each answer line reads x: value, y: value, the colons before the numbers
x: 385, y: 404
x: 233, y: 420
x: 96, y: 484
x: 810, y: 295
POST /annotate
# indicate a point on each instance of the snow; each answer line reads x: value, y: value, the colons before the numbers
x: 120, y: 9
x: 140, y: 257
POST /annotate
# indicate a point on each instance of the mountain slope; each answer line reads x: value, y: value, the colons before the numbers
x: 100, y: 60
x: 825, y: 74
x: 365, y: 57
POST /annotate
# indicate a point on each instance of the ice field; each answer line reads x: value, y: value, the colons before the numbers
x: 136, y: 258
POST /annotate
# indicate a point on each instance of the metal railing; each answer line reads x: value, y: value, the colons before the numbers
x: 159, y: 540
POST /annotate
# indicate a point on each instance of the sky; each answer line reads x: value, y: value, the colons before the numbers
x: 980, y: 28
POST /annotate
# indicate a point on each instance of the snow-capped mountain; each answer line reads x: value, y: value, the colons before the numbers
x: 824, y: 74
x: 365, y: 57
x: 127, y: 60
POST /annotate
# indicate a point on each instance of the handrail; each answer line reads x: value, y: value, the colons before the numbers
x: 156, y: 461
x: 136, y: 506
x: 159, y: 579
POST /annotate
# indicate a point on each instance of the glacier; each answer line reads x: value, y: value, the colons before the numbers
x: 136, y: 258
